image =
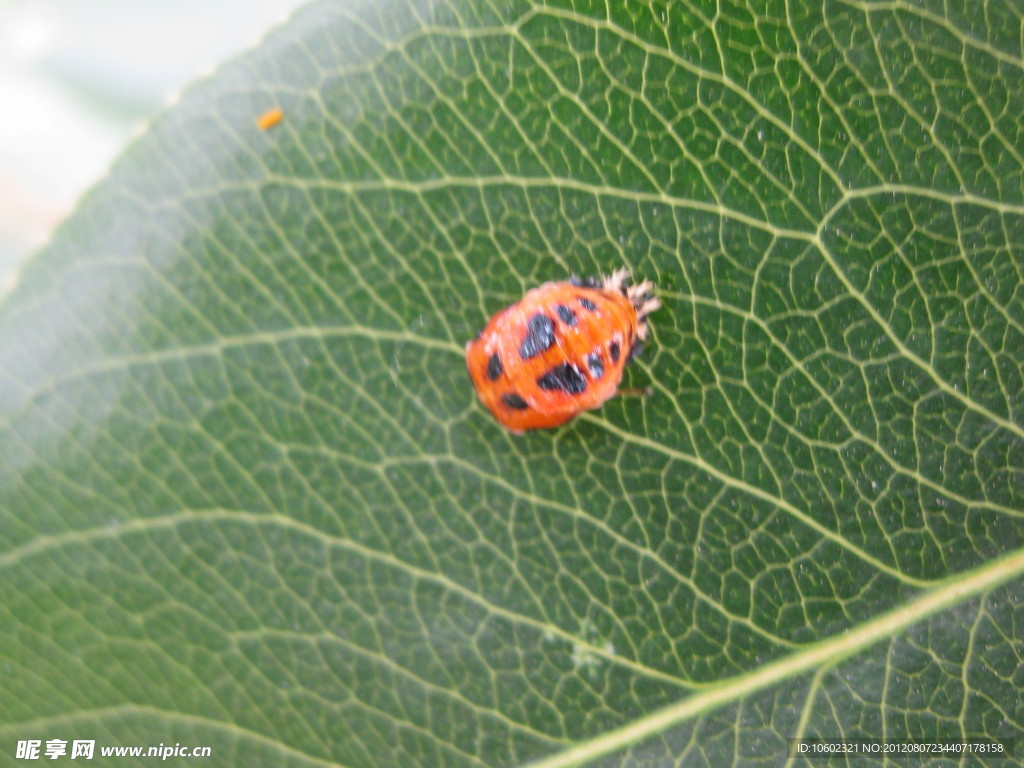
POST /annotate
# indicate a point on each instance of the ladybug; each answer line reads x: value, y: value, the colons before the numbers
x: 559, y: 350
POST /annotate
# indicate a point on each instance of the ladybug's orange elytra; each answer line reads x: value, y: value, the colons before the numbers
x: 559, y: 350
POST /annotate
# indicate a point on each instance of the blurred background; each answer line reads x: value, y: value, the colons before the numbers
x: 78, y: 79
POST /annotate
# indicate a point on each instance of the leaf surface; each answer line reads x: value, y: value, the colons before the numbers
x: 248, y: 499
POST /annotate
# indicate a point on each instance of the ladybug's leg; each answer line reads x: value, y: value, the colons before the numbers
x: 648, y: 305
x: 640, y: 292
x: 616, y: 280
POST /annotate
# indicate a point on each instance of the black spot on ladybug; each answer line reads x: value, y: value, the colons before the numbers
x: 566, y: 377
x: 512, y: 400
x: 540, y: 335
x: 494, y: 367
x: 595, y: 365
x: 587, y: 304
x: 567, y: 315
x: 613, y: 351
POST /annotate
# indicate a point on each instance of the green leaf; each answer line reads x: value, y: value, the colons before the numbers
x: 248, y: 498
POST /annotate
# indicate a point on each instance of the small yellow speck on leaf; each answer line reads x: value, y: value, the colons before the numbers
x: 269, y: 119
